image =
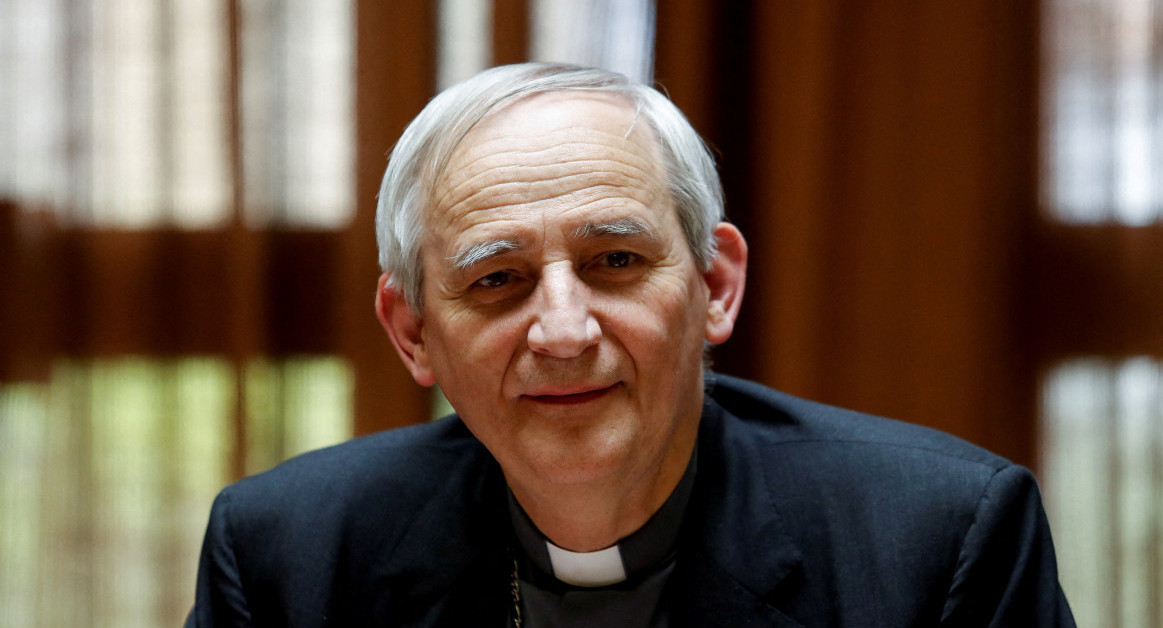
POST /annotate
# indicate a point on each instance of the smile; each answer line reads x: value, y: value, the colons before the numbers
x: 566, y: 398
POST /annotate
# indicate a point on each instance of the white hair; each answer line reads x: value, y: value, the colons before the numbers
x: 420, y: 156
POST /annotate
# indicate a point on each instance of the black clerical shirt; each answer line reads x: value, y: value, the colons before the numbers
x: 624, y: 585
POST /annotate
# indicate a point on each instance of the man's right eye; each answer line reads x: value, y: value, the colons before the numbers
x: 494, y: 280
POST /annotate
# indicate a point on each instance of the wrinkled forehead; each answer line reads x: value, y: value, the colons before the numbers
x: 547, y: 112
x: 561, y: 138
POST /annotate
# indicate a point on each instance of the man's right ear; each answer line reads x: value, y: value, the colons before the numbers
x: 405, y: 328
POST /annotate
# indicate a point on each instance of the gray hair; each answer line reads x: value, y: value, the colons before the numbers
x: 427, y: 144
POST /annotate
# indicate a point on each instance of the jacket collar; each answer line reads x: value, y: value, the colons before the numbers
x: 736, y: 564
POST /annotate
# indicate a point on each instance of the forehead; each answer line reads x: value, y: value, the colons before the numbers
x: 556, y: 154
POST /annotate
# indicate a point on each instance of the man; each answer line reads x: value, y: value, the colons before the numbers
x: 555, y: 258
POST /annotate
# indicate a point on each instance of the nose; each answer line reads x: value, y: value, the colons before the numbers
x: 563, y: 326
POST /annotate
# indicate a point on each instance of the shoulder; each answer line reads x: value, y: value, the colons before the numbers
x: 368, y: 493
x: 829, y: 466
x: 400, y: 464
x: 307, y: 538
x: 780, y: 420
x: 942, y: 525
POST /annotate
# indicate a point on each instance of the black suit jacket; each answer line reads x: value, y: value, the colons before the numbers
x: 801, y: 515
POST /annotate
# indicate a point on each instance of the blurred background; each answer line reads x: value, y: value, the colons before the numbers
x: 954, y: 212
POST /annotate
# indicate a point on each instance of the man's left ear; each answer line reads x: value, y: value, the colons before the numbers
x: 725, y: 281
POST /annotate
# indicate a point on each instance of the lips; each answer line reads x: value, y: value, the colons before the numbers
x: 568, y: 396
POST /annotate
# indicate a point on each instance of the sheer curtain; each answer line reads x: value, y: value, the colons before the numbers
x: 1102, y: 408
x: 613, y: 34
x: 1103, y: 105
x: 186, y: 258
x: 157, y: 155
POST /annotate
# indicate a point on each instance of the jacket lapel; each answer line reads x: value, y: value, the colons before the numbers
x: 450, y: 568
x: 736, y: 565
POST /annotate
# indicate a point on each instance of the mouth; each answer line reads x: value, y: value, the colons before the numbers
x: 565, y: 398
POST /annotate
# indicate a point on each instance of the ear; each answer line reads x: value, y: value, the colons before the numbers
x: 404, y: 327
x: 725, y: 281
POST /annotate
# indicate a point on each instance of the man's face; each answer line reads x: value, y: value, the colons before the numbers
x: 564, y: 315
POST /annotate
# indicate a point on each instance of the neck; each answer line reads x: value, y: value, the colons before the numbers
x: 593, y: 516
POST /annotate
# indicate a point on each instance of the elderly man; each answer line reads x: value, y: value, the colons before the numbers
x: 555, y: 258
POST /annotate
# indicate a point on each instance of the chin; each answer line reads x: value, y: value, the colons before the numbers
x: 576, y: 464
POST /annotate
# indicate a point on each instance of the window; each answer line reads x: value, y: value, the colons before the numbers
x: 176, y: 158
x: 1102, y: 399
x: 107, y: 472
x: 1103, y: 470
x: 613, y: 34
x: 138, y: 163
x: 1104, y: 107
x: 121, y: 112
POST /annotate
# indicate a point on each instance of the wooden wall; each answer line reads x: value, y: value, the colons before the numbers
x: 881, y: 160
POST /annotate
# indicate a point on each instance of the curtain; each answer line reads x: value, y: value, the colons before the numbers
x: 881, y: 161
x: 954, y: 218
x: 187, y: 260
x: 174, y: 218
x: 1100, y: 233
x: 952, y: 210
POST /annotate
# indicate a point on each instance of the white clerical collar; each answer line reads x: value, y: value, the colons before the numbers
x: 587, y: 569
x: 632, y: 558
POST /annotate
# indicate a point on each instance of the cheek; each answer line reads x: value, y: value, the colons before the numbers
x: 675, y: 304
x: 471, y: 350
x: 662, y: 321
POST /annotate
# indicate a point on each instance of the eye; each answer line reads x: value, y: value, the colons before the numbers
x: 618, y: 259
x: 494, y: 280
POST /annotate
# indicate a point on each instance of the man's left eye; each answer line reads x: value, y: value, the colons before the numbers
x: 618, y: 259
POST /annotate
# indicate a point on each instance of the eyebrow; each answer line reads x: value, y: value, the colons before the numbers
x: 481, y: 251
x: 474, y: 254
x: 620, y: 227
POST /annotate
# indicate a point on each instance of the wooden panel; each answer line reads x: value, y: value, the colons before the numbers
x: 1096, y: 291
x: 686, y: 59
x: 880, y: 159
x: 92, y: 292
x: 395, y: 77
x: 510, y: 31
x: 248, y: 315
x: 896, y: 215
x: 30, y: 302
x: 789, y: 205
